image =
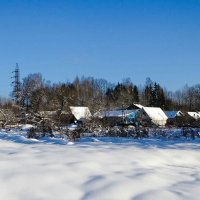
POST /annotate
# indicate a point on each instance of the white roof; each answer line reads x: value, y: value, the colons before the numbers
x: 138, y: 105
x: 80, y: 113
x: 114, y: 113
x: 179, y: 113
x: 156, y: 114
x: 195, y: 115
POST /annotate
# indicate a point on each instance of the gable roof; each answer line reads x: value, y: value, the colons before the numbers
x: 156, y: 114
x: 116, y: 113
x: 195, y: 115
x: 80, y: 113
x: 138, y: 105
x: 173, y: 114
x: 134, y: 106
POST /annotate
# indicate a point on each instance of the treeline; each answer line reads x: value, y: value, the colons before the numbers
x: 36, y: 94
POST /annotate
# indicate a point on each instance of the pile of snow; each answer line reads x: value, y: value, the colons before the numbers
x: 98, y: 168
x: 72, y: 126
x: 26, y: 127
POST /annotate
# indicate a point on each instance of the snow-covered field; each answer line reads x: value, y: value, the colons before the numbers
x: 103, y: 168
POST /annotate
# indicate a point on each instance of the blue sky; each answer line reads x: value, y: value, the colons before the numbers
x: 111, y: 39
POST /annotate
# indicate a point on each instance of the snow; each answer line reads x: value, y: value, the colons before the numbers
x: 156, y: 114
x: 26, y: 126
x: 98, y: 168
x: 80, y: 113
x: 195, y: 115
x: 138, y: 105
x: 115, y: 113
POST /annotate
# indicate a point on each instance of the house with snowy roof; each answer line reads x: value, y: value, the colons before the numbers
x: 81, y: 113
x: 175, y: 117
x: 152, y: 116
x: 135, y: 106
x: 194, y: 115
x: 126, y: 116
x: 174, y: 114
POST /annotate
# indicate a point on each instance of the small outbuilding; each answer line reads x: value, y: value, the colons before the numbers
x: 81, y: 113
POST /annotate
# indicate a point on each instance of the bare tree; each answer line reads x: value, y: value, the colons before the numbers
x: 7, y: 117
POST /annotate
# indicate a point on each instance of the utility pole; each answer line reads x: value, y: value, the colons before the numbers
x: 17, y: 94
x: 16, y: 85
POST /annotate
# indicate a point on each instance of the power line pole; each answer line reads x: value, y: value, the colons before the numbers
x: 16, y: 85
x: 17, y: 94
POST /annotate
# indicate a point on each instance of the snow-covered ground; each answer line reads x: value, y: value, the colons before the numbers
x: 98, y: 168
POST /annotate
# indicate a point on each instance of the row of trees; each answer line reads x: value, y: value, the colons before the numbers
x: 98, y: 94
x: 37, y: 94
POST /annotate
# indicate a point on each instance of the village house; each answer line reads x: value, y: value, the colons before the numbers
x: 149, y: 116
x: 174, y: 117
x: 81, y: 113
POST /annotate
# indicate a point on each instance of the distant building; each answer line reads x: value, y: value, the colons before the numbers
x: 135, y: 106
x: 125, y: 116
x: 173, y: 114
x: 194, y: 115
x: 175, y: 118
x: 152, y: 116
x: 81, y: 113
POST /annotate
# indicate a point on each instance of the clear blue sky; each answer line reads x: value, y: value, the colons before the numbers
x: 111, y: 39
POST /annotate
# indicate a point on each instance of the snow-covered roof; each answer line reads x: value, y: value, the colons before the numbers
x: 179, y: 113
x: 156, y: 114
x: 195, y: 115
x: 138, y: 105
x: 114, y: 113
x: 80, y: 113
